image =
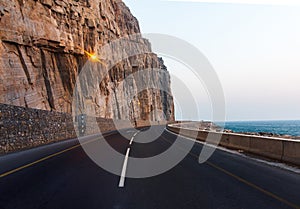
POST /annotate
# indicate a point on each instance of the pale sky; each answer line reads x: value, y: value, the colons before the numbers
x: 255, y: 50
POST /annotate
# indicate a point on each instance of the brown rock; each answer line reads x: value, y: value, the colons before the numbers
x: 42, y: 54
x: 47, y: 2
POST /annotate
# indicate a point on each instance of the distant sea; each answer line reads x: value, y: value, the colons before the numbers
x: 291, y: 127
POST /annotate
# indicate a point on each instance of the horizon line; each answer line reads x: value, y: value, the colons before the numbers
x: 242, y: 120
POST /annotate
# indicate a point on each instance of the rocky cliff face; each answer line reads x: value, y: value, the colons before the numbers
x: 42, y: 48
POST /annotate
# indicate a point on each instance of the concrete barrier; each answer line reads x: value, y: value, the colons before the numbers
x: 267, y: 147
x: 291, y: 151
x: 275, y: 148
x: 239, y: 142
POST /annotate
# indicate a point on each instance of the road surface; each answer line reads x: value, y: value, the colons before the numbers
x: 61, y: 175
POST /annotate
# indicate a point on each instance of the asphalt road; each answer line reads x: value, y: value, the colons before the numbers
x: 63, y: 176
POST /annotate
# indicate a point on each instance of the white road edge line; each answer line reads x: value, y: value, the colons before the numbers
x: 122, y: 177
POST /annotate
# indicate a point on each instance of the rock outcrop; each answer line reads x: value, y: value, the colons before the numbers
x: 43, y: 45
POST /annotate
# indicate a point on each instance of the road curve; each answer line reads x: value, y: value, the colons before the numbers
x: 63, y: 176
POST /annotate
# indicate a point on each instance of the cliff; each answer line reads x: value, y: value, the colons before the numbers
x: 43, y: 45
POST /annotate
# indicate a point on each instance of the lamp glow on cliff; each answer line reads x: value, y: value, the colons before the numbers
x: 93, y: 57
